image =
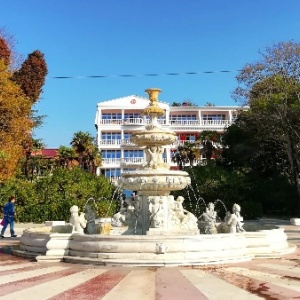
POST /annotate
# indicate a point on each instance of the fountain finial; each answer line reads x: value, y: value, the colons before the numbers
x: 153, y: 108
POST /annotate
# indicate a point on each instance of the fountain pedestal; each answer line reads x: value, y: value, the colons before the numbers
x: 156, y: 212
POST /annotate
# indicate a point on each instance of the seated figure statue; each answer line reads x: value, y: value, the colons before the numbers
x: 181, y: 218
x: 78, y: 222
x: 118, y: 219
x: 208, y: 220
x: 126, y: 217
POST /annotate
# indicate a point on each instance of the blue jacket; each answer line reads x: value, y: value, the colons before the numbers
x: 9, y: 209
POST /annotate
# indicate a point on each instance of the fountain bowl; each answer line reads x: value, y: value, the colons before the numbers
x: 159, y: 181
x: 48, y: 244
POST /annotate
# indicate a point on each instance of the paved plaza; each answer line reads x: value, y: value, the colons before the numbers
x: 277, y: 278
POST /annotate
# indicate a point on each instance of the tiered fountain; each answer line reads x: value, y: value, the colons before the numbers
x: 157, y: 211
x: 158, y: 230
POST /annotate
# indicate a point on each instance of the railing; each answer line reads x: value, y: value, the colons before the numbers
x: 201, y: 123
x: 184, y: 122
x: 129, y: 121
x: 118, y: 142
x: 123, y: 161
x: 174, y: 125
x: 110, y: 142
x: 132, y: 160
x: 215, y: 122
x: 133, y: 121
x: 111, y: 161
x: 111, y: 121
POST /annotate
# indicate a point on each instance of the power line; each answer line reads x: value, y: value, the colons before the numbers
x: 143, y: 75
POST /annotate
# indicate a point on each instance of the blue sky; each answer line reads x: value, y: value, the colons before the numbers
x: 114, y: 37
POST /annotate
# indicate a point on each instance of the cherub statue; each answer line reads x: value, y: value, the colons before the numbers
x: 181, y: 218
x: 209, y: 218
x: 234, y: 220
x: 78, y: 222
x: 153, y: 157
x: 155, y: 216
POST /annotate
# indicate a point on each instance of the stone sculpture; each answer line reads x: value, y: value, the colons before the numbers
x: 182, y: 219
x: 234, y: 220
x: 78, y: 222
x: 207, y: 221
x: 156, y: 213
x: 90, y: 217
x: 119, y: 219
x: 128, y: 216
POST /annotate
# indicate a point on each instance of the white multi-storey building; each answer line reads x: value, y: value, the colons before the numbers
x: 116, y: 119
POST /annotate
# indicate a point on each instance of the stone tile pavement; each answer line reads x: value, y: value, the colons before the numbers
x: 258, y: 279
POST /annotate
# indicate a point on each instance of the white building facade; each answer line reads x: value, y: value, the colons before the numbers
x: 116, y: 119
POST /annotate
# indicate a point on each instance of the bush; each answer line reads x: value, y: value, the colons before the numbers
x: 51, y: 197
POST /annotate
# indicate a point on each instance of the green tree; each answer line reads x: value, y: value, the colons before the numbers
x: 66, y: 157
x: 50, y: 197
x: 271, y: 87
x: 89, y: 156
x: 187, y: 153
x: 209, y: 143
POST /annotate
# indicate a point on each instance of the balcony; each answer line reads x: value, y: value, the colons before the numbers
x: 133, y: 121
x: 111, y: 161
x: 132, y: 161
x: 125, y: 143
x: 125, y: 162
x: 200, y: 125
x: 129, y: 121
x: 184, y: 122
x: 111, y: 122
x: 111, y: 142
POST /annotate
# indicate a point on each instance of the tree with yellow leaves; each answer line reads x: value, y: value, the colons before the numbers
x: 15, y: 123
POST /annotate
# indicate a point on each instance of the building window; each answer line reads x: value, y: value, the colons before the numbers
x: 190, y: 136
x: 111, y: 153
x: 111, y: 135
x: 133, y: 153
x: 112, y: 173
x: 131, y: 116
x: 179, y: 118
x: 127, y: 136
x: 215, y: 117
x: 111, y: 116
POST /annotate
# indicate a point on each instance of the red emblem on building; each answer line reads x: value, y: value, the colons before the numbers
x: 133, y: 101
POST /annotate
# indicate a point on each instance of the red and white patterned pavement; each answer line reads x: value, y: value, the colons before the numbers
x: 258, y: 279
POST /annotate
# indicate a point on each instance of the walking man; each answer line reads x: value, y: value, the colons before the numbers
x: 9, y: 217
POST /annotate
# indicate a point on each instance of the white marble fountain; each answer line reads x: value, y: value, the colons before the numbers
x: 155, y: 230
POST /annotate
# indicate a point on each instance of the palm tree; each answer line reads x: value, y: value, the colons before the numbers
x: 32, y: 148
x: 66, y: 157
x: 210, y: 143
x: 187, y: 153
x: 89, y: 156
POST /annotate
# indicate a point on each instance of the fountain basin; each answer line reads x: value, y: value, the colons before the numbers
x: 151, y: 250
x: 161, y: 180
x: 155, y: 136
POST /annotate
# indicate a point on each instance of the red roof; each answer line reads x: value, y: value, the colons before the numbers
x: 47, y: 153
